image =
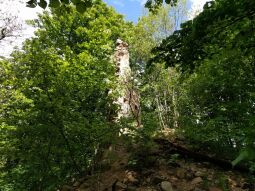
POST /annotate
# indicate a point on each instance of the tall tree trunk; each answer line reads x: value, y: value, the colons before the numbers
x: 175, y: 111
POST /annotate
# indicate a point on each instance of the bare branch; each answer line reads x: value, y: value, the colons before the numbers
x: 10, y: 24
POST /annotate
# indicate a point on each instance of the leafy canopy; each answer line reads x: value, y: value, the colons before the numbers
x: 56, y: 107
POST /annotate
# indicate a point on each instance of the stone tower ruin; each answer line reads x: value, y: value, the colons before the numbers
x: 129, y: 98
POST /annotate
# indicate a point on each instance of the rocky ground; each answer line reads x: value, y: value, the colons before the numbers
x: 150, y: 171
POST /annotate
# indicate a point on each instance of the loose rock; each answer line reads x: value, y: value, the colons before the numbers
x: 199, y: 173
x: 196, y: 180
x: 157, y: 179
x: 166, y: 186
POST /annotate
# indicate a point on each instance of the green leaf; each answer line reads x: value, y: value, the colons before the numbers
x: 81, y: 7
x: 54, y: 3
x: 42, y: 4
x: 31, y: 4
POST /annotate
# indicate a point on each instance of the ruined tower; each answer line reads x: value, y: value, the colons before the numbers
x: 128, y: 99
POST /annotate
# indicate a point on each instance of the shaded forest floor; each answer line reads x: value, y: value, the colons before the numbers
x: 131, y: 168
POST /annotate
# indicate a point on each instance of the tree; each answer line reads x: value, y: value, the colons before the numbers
x: 158, y: 86
x: 151, y: 29
x: 59, y: 112
x: 215, y: 53
x: 186, y: 47
x: 81, y: 5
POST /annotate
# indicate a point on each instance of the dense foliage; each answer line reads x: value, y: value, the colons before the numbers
x: 215, y: 52
x: 56, y: 110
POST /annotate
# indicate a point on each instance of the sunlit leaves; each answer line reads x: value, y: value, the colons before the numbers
x: 56, y: 96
